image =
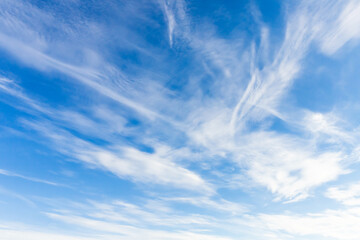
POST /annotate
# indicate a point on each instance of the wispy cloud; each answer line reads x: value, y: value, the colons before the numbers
x: 343, y: 28
x: 170, y: 18
x: 125, y: 218
x: 12, y: 174
x: 200, y: 113
x: 15, y: 195
x: 337, y: 224
x: 347, y: 195
x: 41, y: 59
x: 222, y: 126
x: 18, y: 233
x: 125, y: 162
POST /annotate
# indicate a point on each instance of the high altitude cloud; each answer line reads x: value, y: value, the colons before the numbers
x: 200, y: 110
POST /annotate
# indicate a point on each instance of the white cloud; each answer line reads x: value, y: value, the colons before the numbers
x: 129, y: 221
x: 330, y: 128
x: 20, y: 234
x: 287, y: 166
x: 17, y: 196
x: 344, y: 29
x: 12, y: 174
x: 170, y: 21
x: 208, y: 122
x: 125, y: 162
x: 348, y: 195
x: 98, y: 121
x: 242, y: 92
x: 333, y: 224
x: 220, y: 205
x: 23, y: 46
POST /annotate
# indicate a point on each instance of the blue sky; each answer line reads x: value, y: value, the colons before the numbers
x: 160, y: 119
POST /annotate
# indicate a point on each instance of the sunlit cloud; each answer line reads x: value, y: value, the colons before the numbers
x: 180, y: 119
